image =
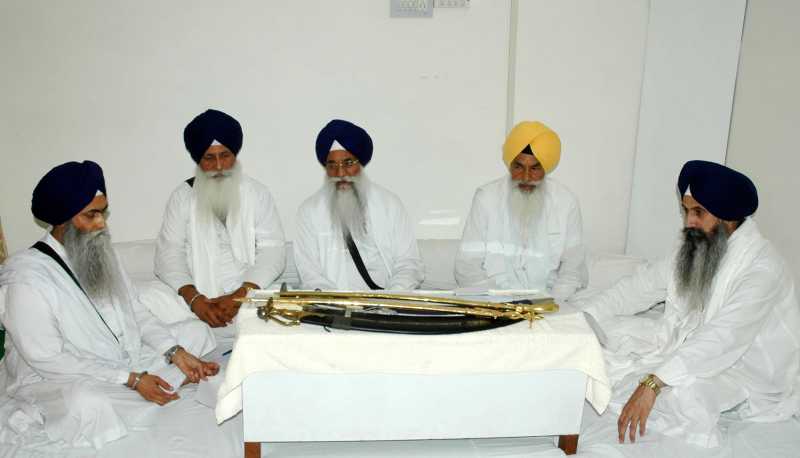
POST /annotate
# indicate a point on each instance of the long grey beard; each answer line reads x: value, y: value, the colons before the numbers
x: 526, y: 208
x: 217, y: 193
x: 95, y: 264
x: 697, y: 264
x: 348, y: 206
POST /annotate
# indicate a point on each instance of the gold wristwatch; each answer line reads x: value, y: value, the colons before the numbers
x: 650, y: 382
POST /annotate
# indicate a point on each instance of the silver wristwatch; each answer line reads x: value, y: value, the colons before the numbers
x: 171, y: 352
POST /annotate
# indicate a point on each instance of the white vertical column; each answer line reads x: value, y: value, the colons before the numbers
x: 687, y: 96
x: 578, y: 68
x: 763, y: 141
x: 513, y: 20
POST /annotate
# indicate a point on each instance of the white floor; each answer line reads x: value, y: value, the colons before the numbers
x: 188, y: 429
x: 598, y: 439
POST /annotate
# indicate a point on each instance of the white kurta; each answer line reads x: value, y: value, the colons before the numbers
x: 63, y: 367
x: 492, y: 253
x: 217, y: 259
x: 390, y: 255
x: 741, y: 351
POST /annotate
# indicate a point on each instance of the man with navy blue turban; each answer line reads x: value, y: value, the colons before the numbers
x: 82, y: 346
x: 728, y: 339
x: 212, y: 128
x: 353, y: 234
x: 221, y: 232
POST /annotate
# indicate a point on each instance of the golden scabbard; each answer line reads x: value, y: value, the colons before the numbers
x: 289, y: 307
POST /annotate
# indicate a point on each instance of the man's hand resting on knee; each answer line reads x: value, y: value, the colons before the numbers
x: 192, y: 367
x: 151, y: 387
x: 637, y: 409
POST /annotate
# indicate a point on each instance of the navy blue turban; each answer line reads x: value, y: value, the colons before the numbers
x: 353, y: 138
x: 209, y: 126
x: 726, y: 193
x: 66, y: 190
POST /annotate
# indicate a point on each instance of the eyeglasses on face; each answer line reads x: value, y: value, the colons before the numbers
x: 345, y: 164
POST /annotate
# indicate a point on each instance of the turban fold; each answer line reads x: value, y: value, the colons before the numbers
x: 66, y: 190
x: 726, y: 193
x: 353, y: 138
x: 209, y: 126
x: 544, y: 143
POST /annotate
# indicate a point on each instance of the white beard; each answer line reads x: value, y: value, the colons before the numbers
x: 95, y: 264
x: 349, y: 206
x: 217, y: 193
x: 526, y: 208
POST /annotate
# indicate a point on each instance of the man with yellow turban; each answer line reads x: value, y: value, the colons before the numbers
x: 524, y: 230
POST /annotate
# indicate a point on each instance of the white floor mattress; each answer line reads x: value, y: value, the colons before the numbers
x: 187, y: 429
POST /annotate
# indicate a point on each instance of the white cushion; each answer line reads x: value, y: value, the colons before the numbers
x: 607, y: 269
x: 438, y: 256
x: 289, y: 275
x: 137, y: 258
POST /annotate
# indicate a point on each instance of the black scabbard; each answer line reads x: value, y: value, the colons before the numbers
x: 405, y: 324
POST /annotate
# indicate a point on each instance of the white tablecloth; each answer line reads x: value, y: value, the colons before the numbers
x: 560, y: 341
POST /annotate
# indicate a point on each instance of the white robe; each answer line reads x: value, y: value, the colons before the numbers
x: 492, y: 255
x: 218, y: 258
x: 64, y: 369
x: 390, y: 255
x: 741, y: 352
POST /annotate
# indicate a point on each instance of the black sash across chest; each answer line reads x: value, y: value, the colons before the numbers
x: 49, y: 251
x: 362, y: 269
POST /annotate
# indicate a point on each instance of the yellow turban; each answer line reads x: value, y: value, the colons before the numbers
x: 544, y: 143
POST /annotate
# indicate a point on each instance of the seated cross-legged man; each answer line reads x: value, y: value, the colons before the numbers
x: 86, y: 360
x: 728, y: 340
x: 221, y: 231
x: 524, y: 230
x: 353, y: 234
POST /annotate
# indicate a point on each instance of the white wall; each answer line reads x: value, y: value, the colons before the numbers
x: 687, y: 95
x: 763, y: 141
x: 579, y: 70
x: 116, y: 82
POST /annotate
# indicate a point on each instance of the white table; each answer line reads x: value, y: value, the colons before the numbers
x: 319, y: 408
x: 306, y: 384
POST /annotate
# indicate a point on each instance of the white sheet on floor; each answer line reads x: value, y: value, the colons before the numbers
x: 188, y: 429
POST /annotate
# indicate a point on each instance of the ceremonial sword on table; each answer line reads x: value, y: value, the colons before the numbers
x: 397, y: 313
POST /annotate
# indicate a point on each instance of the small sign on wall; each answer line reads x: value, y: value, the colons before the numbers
x: 422, y: 8
x: 411, y: 8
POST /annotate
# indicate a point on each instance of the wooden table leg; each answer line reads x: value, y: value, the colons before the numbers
x: 568, y: 443
x: 253, y: 449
